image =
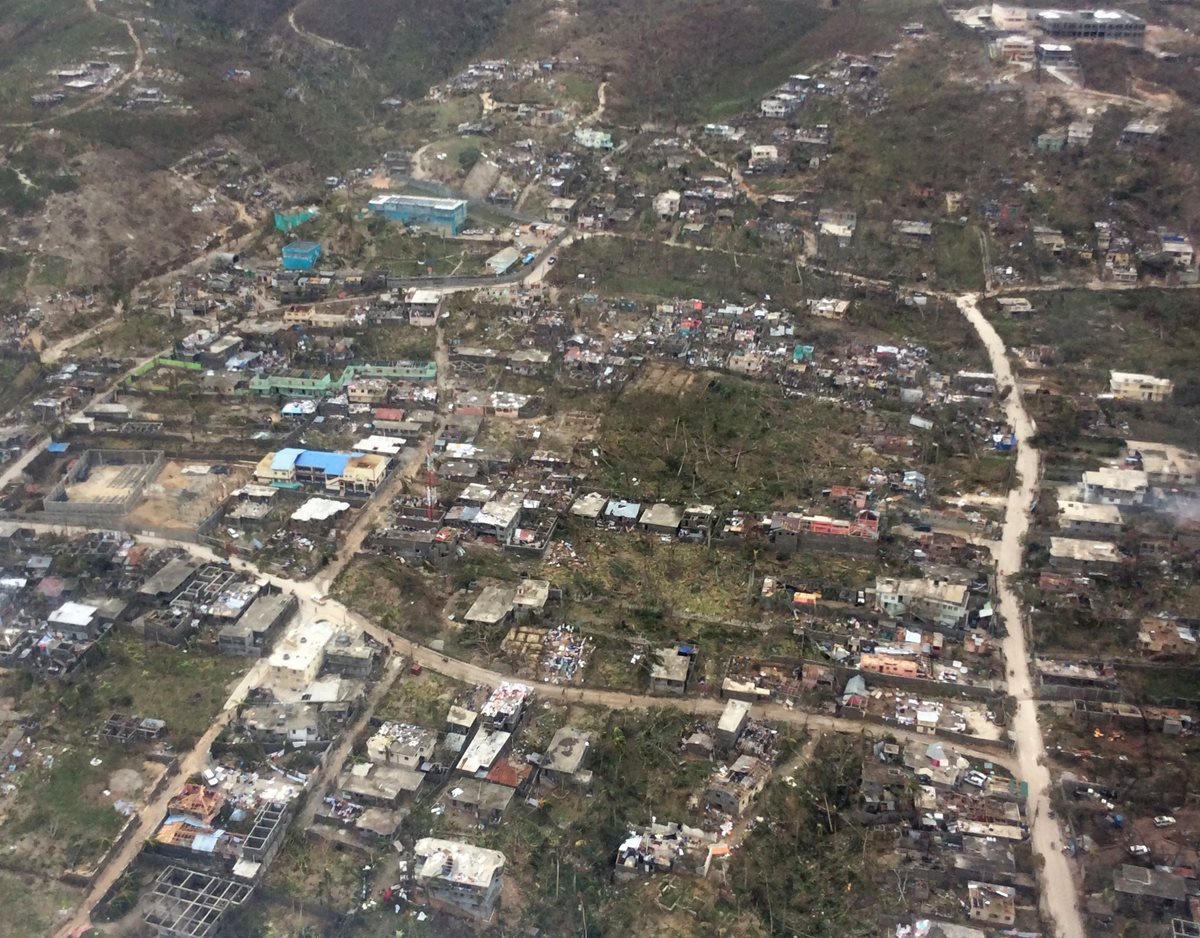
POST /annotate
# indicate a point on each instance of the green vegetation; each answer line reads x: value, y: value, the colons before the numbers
x: 623, y: 266
x: 395, y: 595
x: 748, y: 48
x: 42, y: 35
x: 186, y: 689
x: 423, y: 700
x: 60, y: 817
x: 805, y: 870
x: 1093, y: 332
x: 31, y: 906
x: 727, y: 440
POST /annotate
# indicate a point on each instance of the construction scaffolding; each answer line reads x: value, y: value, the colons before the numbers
x: 189, y: 904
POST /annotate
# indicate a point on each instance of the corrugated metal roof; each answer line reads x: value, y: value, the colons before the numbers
x: 285, y: 459
x: 332, y: 464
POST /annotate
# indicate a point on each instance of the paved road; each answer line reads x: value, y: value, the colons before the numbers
x: 1059, y: 892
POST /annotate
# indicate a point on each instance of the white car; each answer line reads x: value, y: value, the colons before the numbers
x: 1164, y: 820
x: 1139, y: 850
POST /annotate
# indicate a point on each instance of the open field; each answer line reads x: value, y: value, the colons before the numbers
x: 1150, y: 331
x: 726, y: 440
x: 181, y: 500
x: 32, y: 904
x: 62, y: 816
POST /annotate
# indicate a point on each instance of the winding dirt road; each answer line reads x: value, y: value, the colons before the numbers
x: 312, y: 37
x: 1059, y: 892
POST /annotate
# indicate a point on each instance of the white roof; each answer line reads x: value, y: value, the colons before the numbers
x: 1089, y: 512
x: 301, y: 645
x: 386, y: 445
x: 319, y: 509
x: 483, y: 750
x: 70, y: 613
x: 454, y: 862
x: 1121, y: 480
x: 425, y: 297
x: 1087, y: 551
x: 731, y: 717
x: 1127, y: 377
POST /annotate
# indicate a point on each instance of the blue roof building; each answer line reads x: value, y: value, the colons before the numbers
x: 447, y: 214
x: 301, y: 255
x: 316, y: 462
x: 285, y: 460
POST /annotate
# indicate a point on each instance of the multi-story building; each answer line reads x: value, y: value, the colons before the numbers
x: 937, y: 601
x: 1115, y: 486
x: 448, y: 214
x: 459, y: 877
x: 1126, y: 386
x: 347, y: 473
x: 1117, y: 25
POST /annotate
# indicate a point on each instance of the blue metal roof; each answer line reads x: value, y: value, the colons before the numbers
x: 285, y: 459
x: 58, y: 447
x: 301, y: 247
x: 332, y: 464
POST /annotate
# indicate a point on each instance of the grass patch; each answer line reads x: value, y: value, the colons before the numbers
x: 725, y: 439
x: 60, y: 818
x: 32, y: 906
x: 399, y: 597
x: 187, y: 689
x: 624, y: 266
x: 1152, y: 331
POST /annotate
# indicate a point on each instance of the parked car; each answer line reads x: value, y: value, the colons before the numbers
x: 1139, y: 850
x: 1164, y: 820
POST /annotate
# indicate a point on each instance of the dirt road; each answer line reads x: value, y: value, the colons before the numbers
x: 149, y: 819
x: 313, y: 37
x: 601, y: 104
x: 1059, y: 892
x: 313, y: 605
x: 365, y: 523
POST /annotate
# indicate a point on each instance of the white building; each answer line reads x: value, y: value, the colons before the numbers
x: 1115, y: 486
x: 1126, y: 386
x: 298, y: 657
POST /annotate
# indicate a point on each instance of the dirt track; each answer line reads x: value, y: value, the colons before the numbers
x: 1059, y: 892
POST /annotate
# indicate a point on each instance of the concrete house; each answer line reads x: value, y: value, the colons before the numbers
x: 666, y: 204
x: 423, y: 307
x: 935, y: 601
x: 733, y: 790
x: 458, y: 877
x: 1081, y: 519
x: 567, y: 756
x: 1124, y: 487
x: 1134, y: 387
x: 1080, y: 556
x: 561, y: 210
x: 250, y: 634
x: 661, y: 519
x: 670, y: 671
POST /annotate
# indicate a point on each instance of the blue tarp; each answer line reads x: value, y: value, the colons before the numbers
x: 207, y: 843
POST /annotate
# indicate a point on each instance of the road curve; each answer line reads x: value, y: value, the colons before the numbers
x: 1059, y: 889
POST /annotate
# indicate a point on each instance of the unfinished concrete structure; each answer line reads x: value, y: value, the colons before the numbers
x: 102, y: 486
x: 187, y: 904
